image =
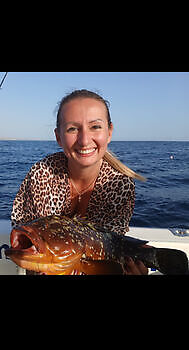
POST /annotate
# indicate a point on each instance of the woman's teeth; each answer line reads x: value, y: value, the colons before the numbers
x: 86, y: 151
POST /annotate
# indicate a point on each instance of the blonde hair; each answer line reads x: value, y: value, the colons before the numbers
x: 119, y: 166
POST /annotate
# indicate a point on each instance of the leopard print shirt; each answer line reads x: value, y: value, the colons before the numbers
x: 46, y: 191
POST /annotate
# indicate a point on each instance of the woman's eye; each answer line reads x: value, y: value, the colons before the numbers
x: 95, y: 127
x: 72, y: 129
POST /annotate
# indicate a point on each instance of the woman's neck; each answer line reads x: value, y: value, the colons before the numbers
x: 83, y: 175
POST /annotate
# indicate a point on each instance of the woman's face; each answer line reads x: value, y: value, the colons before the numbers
x: 84, y: 133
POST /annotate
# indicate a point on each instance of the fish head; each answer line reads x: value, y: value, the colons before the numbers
x: 46, y: 245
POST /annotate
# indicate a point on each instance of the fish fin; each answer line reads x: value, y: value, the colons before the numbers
x: 84, y: 221
x: 100, y: 267
x: 134, y: 241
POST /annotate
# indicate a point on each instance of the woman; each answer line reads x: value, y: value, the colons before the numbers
x: 85, y: 179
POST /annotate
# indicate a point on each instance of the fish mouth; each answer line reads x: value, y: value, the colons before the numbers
x: 25, y: 242
x: 28, y: 250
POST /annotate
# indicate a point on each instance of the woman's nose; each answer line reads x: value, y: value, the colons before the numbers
x: 83, y: 138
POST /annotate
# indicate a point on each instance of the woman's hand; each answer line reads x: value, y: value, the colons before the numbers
x: 134, y: 268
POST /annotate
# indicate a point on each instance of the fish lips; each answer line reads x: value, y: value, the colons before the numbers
x: 25, y: 240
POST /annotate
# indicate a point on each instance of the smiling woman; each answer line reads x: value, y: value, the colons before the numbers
x: 72, y: 126
x: 83, y: 136
x: 85, y: 178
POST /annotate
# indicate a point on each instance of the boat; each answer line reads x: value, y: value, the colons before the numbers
x: 175, y: 238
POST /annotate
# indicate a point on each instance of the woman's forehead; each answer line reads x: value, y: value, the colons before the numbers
x: 83, y: 108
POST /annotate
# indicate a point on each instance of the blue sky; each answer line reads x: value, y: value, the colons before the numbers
x: 143, y: 106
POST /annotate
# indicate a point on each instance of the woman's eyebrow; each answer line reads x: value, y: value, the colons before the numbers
x: 96, y: 120
x: 78, y: 124
x: 71, y: 123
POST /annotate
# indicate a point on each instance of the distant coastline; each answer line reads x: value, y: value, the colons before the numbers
x: 12, y: 139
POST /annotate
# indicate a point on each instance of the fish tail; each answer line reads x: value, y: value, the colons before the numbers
x: 172, y: 261
x: 167, y: 261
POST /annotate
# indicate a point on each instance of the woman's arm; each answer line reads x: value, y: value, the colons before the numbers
x: 23, y: 209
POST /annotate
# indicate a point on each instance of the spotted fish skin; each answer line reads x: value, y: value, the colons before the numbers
x: 63, y: 245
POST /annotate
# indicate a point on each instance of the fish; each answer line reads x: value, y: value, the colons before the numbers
x: 60, y: 245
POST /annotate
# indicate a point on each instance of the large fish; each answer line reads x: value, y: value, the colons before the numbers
x: 60, y: 245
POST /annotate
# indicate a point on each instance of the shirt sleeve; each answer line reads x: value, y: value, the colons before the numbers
x: 120, y: 219
x: 112, y: 203
x: 129, y: 205
x: 23, y: 209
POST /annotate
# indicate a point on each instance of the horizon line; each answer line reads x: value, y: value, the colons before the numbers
x: 20, y: 139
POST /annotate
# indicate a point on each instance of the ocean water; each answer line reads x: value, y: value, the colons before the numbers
x: 161, y: 201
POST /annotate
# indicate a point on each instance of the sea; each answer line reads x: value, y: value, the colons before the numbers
x: 162, y: 201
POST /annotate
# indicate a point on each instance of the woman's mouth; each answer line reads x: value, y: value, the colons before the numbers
x: 86, y: 152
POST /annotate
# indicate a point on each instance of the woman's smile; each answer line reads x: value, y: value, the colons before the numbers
x: 86, y: 152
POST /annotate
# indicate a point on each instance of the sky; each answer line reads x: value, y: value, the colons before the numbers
x: 144, y: 106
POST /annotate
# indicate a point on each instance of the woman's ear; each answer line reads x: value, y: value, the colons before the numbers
x: 58, y: 137
x: 110, y: 130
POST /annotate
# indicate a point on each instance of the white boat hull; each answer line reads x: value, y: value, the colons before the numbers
x: 157, y: 237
